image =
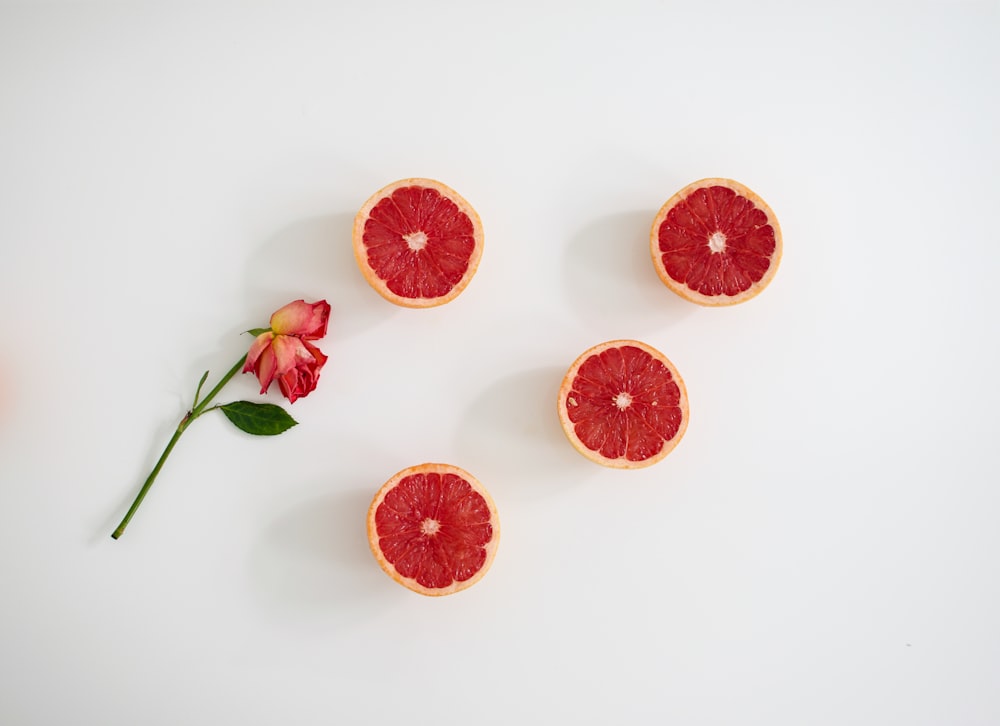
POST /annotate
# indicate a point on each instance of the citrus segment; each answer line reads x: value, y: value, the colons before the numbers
x: 434, y: 529
x: 715, y: 242
x: 623, y: 404
x: 417, y: 242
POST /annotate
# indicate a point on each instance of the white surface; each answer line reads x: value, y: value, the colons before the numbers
x: 820, y: 549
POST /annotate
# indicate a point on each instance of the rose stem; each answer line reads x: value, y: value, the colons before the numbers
x: 181, y: 427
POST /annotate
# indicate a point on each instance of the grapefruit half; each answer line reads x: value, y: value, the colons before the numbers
x: 417, y: 242
x: 434, y: 529
x: 715, y: 242
x: 623, y: 404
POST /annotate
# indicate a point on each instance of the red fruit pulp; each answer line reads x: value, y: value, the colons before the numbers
x: 434, y: 528
x: 419, y: 242
x: 716, y: 242
x: 624, y: 402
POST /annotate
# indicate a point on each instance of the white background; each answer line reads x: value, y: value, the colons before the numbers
x: 822, y: 546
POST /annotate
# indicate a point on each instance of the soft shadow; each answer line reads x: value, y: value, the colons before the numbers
x: 314, y: 258
x: 512, y: 428
x: 314, y: 558
x: 611, y: 281
x: 8, y: 401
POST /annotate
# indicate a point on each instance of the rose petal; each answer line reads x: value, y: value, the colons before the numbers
x: 302, y: 319
x: 317, y: 355
x: 288, y: 350
x: 292, y: 387
x: 261, y: 343
x: 297, y: 382
x: 265, y: 369
x: 302, y: 379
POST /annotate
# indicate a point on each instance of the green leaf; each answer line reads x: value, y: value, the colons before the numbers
x: 257, y: 331
x: 259, y: 419
x: 197, y: 393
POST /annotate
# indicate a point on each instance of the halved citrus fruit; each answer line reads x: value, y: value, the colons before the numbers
x: 417, y: 242
x: 715, y: 242
x: 434, y: 529
x: 623, y: 404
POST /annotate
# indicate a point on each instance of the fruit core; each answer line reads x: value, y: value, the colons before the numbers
x: 623, y: 400
x: 416, y: 240
x: 717, y: 242
x: 430, y: 527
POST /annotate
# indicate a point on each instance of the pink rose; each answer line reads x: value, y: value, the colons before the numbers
x: 284, y: 351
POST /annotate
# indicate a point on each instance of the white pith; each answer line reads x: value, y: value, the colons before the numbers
x: 416, y: 240
x: 717, y: 242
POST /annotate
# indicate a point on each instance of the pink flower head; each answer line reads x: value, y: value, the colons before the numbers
x: 284, y: 351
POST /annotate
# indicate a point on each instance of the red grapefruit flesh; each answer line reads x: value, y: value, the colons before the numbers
x: 417, y: 242
x: 434, y: 529
x: 715, y: 242
x: 623, y: 404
